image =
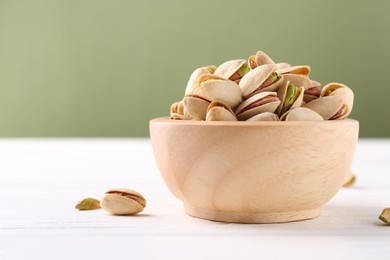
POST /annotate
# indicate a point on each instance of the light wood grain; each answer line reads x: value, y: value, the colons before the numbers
x: 254, y: 172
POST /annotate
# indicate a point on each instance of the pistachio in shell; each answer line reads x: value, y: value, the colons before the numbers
x: 329, y: 107
x: 214, y: 87
x: 312, y: 92
x: 123, y: 201
x: 219, y: 111
x: 301, y: 114
x: 338, y: 89
x: 290, y: 96
x: 177, y: 108
x: 265, y: 116
x: 195, y: 106
x: 191, y: 85
x: 261, y: 102
x: 259, y: 59
x: 261, y: 78
x: 233, y: 69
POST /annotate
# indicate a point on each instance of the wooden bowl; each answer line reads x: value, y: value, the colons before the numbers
x: 254, y: 172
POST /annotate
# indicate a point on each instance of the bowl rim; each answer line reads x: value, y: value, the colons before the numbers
x: 167, y: 120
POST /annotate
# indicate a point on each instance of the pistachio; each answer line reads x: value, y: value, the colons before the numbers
x: 191, y: 85
x: 261, y: 78
x: 88, y: 204
x: 346, y: 94
x: 350, y: 180
x: 259, y: 59
x: 219, y: 111
x: 123, y: 202
x: 301, y: 114
x: 233, y: 69
x: 265, y: 116
x: 291, y: 96
x: 385, y: 216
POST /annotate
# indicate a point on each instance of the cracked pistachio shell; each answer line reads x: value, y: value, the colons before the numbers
x: 338, y: 89
x: 259, y: 59
x: 214, y: 87
x: 219, y: 111
x: 299, y: 70
x: 290, y: 97
x: 252, y: 81
x: 301, y: 114
x: 229, y: 68
x: 123, y: 202
x: 312, y: 92
x: 176, y: 116
x: 195, y: 106
x: 177, y: 108
x: 262, y: 102
x: 191, y: 85
x: 326, y: 106
x: 282, y: 65
x: 265, y: 116
x: 298, y: 80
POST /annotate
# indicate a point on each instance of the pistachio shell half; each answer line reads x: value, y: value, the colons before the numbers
x: 265, y: 116
x: 219, y: 111
x: 262, y: 102
x: 282, y: 65
x: 196, y: 106
x: 301, y: 114
x: 262, y: 78
x: 233, y: 69
x: 299, y: 70
x: 298, y: 80
x: 214, y: 87
x: 195, y: 75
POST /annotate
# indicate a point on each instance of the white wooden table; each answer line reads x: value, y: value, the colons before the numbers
x: 41, y: 180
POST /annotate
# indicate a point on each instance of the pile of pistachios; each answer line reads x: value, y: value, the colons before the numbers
x: 258, y: 89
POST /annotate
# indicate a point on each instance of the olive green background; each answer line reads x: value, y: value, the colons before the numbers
x: 105, y: 68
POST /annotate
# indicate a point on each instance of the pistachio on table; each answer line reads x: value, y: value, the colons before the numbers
x: 350, y: 180
x: 88, y: 204
x: 123, y: 202
x: 231, y: 92
x: 385, y: 216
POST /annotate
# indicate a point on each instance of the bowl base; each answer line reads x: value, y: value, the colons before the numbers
x: 252, y: 217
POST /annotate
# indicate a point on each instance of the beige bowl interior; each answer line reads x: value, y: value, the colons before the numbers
x: 253, y: 172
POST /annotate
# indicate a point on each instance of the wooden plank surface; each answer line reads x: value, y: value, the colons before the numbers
x: 41, y: 180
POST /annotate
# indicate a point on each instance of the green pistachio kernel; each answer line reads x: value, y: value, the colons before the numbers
x: 274, y: 76
x: 291, y: 95
x: 88, y: 204
x: 243, y: 70
x: 385, y: 216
